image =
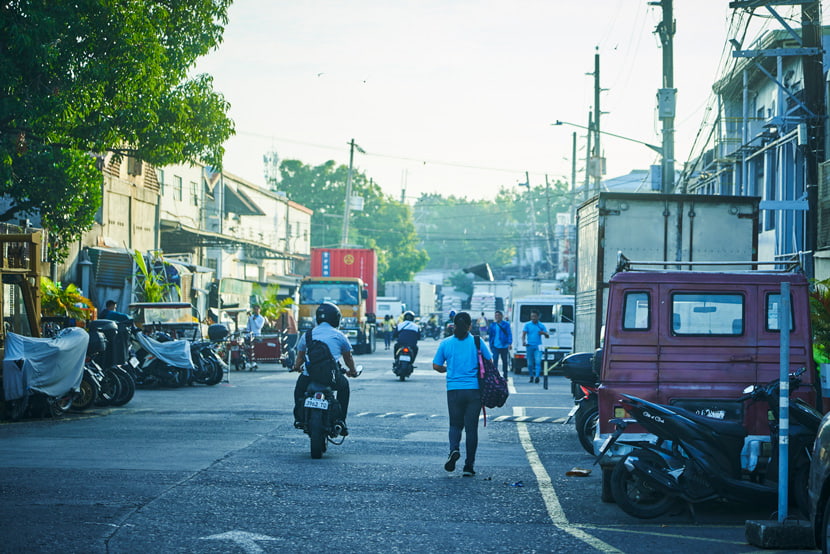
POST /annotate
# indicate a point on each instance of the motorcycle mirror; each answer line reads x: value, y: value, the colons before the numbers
x: 749, y: 389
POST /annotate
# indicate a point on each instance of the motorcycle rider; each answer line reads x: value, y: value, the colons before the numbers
x: 407, y: 334
x: 328, y: 320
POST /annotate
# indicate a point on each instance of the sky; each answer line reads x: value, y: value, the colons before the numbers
x: 458, y: 97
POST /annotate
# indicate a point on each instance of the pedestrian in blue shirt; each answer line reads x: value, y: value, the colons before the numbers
x: 501, y: 341
x: 459, y: 354
x: 532, y: 340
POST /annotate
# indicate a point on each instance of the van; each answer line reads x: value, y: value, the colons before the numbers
x: 697, y: 339
x: 557, y: 313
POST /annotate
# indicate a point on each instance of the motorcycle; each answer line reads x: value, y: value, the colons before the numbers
x: 581, y: 369
x: 698, y: 458
x: 404, y: 362
x: 242, y: 352
x: 107, y: 361
x: 160, y: 360
x: 322, y: 418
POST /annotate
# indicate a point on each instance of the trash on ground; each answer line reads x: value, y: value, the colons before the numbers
x: 578, y: 472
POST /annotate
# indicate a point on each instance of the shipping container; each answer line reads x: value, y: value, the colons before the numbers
x: 348, y: 262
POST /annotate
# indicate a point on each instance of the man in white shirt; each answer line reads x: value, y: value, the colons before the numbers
x: 255, y: 321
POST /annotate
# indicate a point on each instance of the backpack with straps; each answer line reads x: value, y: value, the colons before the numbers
x: 491, y: 384
x: 321, y: 365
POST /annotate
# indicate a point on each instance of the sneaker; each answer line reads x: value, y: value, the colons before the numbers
x: 531, y: 380
x: 450, y: 465
x: 537, y: 379
x: 299, y: 425
x: 469, y: 472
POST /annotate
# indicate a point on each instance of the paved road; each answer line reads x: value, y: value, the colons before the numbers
x: 221, y: 469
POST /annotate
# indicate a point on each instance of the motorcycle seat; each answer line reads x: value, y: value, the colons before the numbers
x: 720, y: 426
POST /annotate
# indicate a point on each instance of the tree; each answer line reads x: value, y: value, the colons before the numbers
x: 384, y: 224
x: 84, y: 78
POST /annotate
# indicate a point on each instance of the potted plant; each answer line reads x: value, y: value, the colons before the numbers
x: 66, y: 302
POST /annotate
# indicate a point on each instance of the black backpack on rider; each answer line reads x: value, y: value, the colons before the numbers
x: 321, y: 365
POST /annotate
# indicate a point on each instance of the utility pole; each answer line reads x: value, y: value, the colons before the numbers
x: 548, y: 234
x: 597, y: 113
x: 532, y: 241
x: 814, y: 98
x: 585, y: 193
x: 344, y: 239
x: 573, y: 178
x: 666, y: 95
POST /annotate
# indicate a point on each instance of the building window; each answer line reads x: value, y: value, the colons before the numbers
x: 134, y: 166
x: 160, y: 177
x: 177, y: 188
x: 194, y: 192
x: 212, y: 263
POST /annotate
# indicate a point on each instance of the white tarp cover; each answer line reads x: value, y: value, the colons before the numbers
x: 175, y: 353
x: 51, y: 366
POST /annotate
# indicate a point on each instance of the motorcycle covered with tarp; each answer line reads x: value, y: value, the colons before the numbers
x: 162, y: 363
x: 42, y: 375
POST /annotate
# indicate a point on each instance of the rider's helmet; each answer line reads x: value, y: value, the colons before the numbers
x: 408, y: 316
x: 328, y: 312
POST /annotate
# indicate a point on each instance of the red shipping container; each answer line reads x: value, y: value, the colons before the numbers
x: 348, y: 262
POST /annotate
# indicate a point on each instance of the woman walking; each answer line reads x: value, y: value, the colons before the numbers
x: 459, y: 354
x: 388, y: 329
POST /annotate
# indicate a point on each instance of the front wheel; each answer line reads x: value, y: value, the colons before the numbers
x: 637, y: 496
x: 586, y: 419
x: 317, y: 434
x: 88, y: 394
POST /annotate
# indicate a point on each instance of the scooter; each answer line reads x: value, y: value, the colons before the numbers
x: 698, y: 458
x: 163, y: 362
x: 404, y: 362
x: 242, y: 352
x: 580, y: 369
x: 322, y: 417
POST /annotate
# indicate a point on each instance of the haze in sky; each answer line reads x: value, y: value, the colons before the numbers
x: 458, y: 97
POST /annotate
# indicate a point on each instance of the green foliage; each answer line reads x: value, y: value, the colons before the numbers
x: 457, y: 232
x: 461, y: 282
x: 59, y: 301
x: 153, y: 286
x: 272, y: 306
x: 820, y: 316
x: 93, y: 77
x: 384, y: 224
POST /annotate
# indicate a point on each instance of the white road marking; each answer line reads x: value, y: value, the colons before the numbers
x: 554, y: 508
x: 244, y: 539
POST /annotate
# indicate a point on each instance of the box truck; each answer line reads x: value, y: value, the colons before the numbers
x: 419, y: 297
x: 653, y: 227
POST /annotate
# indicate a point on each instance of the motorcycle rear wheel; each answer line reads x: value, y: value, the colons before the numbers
x: 110, y: 389
x: 127, y: 387
x: 215, y: 372
x: 636, y: 496
x: 317, y: 434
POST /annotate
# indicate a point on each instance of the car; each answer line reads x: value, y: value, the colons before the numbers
x: 819, y: 486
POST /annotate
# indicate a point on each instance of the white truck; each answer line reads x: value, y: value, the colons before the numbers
x: 653, y: 227
x: 388, y: 305
x: 419, y: 297
x: 556, y: 311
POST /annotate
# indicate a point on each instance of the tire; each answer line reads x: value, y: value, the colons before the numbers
x: 586, y: 419
x: 402, y: 377
x: 127, y: 387
x: 637, y: 497
x: 216, y: 372
x: 110, y: 389
x: 88, y: 395
x: 64, y: 403
x: 799, y: 485
x: 317, y: 434
x: 606, y: 495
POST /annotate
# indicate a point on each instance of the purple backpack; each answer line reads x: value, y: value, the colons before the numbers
x: 491, y: 384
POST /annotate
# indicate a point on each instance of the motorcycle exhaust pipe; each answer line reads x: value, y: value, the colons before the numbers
x: 652, y: 474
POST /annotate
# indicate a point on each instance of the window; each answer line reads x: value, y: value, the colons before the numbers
x: 707, y: 314
x: 636, y: 311
x: 773, y: 302
x: 177, y: 188
x: 546, y: 312
x: 567, y: 313
x: 194, y: 193
x: 160, y: 177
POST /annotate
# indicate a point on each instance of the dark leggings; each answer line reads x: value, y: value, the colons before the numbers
x: 464, y: 406
x: 502, y: 353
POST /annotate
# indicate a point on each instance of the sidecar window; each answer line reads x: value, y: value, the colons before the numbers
x: 708, y: 314
x: 636, y: 315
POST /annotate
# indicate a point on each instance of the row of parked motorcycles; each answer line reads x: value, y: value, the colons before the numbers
x: 693, y: 458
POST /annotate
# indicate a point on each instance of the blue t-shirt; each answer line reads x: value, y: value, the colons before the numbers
x: 534, y: 332
x: 336, y: 341
x: 500, y: 334
x: 462, y: 361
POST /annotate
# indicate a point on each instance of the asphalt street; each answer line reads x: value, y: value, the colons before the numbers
x: 221, y: 469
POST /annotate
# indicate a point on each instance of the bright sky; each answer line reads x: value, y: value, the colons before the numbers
x: 458, y: 96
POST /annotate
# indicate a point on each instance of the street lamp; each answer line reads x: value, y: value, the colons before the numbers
x: 658, y: 149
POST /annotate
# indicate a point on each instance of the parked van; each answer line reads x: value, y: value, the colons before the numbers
x: 557, y: 313
x: 697, y: 339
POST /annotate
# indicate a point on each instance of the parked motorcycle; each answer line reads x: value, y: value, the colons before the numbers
x: 208, y: 367
x: 581, y: 369
x: 322, y: 417
x: 242, y: 351
x: 698, y: 458
x: 108, y: 362
x: 163, y: 362
x: 404, y: 362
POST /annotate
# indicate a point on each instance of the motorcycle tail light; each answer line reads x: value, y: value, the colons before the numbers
x: 319, y: 395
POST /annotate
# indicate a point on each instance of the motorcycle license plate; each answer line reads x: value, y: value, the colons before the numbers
x: 405, y: 359
x: 134, y: 361
x: 319, y: 403
x: 573, y: 410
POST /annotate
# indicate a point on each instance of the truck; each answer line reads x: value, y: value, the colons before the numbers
x: 389, y: 305
x: 347, y: 277
x: 653, y: 228
x: 419, y: 297
x: 556, y: 312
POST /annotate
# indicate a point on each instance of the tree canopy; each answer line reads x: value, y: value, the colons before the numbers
x: 86, y: 77
x: 384, y: 224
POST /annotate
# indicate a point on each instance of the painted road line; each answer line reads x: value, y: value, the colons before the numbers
x: 554, y: 508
